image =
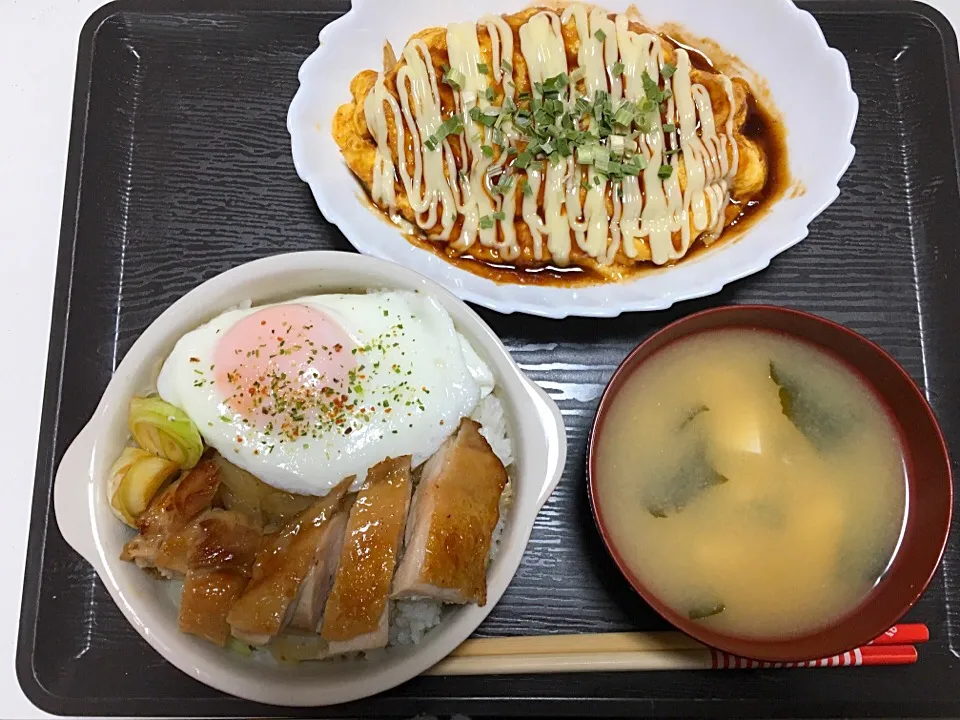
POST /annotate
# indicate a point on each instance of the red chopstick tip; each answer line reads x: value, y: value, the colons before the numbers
x: 906, y: 634
x: 888, y: 655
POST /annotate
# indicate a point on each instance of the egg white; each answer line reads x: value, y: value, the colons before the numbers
x: 434, y: 358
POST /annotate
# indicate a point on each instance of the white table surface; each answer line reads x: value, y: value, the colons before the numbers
x: 38, y: 49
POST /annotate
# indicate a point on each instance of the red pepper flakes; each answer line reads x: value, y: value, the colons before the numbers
x: 302, y: 409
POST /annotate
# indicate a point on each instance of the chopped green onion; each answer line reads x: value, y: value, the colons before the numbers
x: 600, y: 35
x: 602, y: 163
x: 650, y: 88
x: 670, y: 153
x: 511, y: 150
x: 507, y: 67
x: 547, y: 147
x: 450, y: 126
x: 543, y: 117
x: 503, y: 185
x: 577, y: 75
x: 525, y: 188
x: 454, y: 78
x: 617, y: 69
x: 499, y: 216
x: 482, y: 68
x: 668, y: 70
x: 490, y: 93
x: 623, y: 115
x: 597, y: 180
x: 486, y: 222
x: 634, y: 165
x: 617, y: 144
x: 665, y: 172
x: 523, y: 159
x: 555, y: 84
x: 487, y: 150
x: 669, y: 127
x: 586, y: 154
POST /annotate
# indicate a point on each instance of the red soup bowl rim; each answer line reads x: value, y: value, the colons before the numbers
x: 863, y: 624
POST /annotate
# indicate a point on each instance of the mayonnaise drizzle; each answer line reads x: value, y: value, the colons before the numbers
x: 609, y: 219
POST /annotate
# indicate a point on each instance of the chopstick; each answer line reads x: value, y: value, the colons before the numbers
x: 618, y: 652
x: 906, y: 634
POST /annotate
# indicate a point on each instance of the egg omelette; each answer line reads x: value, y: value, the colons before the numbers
x: 548, y: 138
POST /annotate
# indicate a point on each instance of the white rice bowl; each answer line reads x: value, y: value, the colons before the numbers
x: 86, y: 523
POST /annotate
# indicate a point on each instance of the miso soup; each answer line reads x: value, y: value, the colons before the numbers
x: 751, y: 482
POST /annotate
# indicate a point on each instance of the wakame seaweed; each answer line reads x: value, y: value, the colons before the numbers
x: 702, y: 612
x: 692, y: 415
x: 811, y: 412
x: 694, y: 475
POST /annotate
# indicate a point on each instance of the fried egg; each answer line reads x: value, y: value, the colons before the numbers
x: 308, y: 392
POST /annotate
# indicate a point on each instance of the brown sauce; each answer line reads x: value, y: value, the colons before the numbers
x: 548, y: 276
x: 698, y: 58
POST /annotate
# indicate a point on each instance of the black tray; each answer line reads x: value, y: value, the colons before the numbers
x: 179, y: 168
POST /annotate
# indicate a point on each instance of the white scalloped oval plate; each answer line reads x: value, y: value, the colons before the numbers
x: 808, y: 81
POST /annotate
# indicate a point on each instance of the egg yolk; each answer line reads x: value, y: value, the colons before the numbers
x: 286, y: 369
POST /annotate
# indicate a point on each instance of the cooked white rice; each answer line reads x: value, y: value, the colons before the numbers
x: 410, y: 620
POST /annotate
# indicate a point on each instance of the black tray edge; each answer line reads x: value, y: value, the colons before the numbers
x: 951, y: 58
x: 62, y: 292
x: 39, y: 526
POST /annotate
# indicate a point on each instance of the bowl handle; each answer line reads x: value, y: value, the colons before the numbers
x: 555, y: 438
x: 71, y: 496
